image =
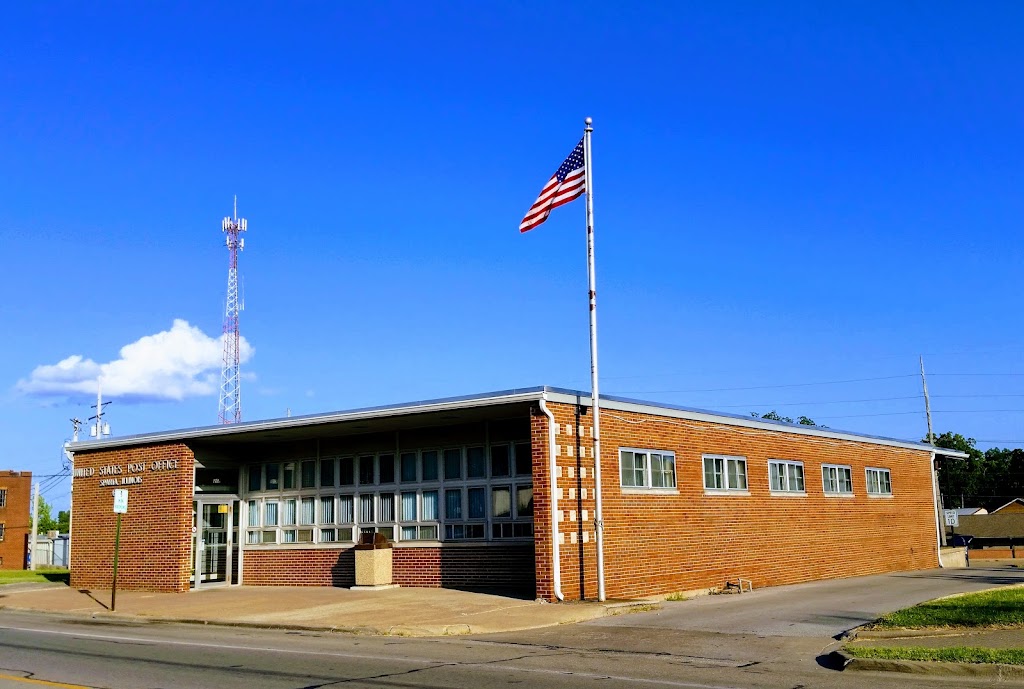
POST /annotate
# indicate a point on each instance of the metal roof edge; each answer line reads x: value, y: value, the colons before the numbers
x: 441, y: 404
x: 556, y: 394
x: 692, y: 414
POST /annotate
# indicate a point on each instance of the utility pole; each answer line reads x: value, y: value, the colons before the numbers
x: 35, y: 528
x: 927, y: 404
x: 931, y: 441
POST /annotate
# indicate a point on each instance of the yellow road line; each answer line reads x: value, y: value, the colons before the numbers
x: 29, y: 680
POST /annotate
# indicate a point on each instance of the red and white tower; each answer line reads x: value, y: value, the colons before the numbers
x: 230, y: 408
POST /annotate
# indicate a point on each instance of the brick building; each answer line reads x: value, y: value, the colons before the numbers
x: 15, y: 517
x: 499, y: 490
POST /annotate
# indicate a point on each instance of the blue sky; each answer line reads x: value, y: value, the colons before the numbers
x: 804, y: 193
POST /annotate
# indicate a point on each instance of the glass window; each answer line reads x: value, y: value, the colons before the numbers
x: 270, y: 514
x: 387, y: 507
x: 879, y: 481
x: 429, y: 458
x: 452, y: 464
x: 632, y: 467
x: 647, y: 468
x: 408, y: 462
x: 273, y: 472
x: 453, y: 504
x: 345, y: 471
x: 725, y: 473
x: 786, y: 477
x: 346, y: 510
x: 477, y: 503
x: 327, y: 472
x: 289, y: 513
x: 476, y: 463
x: 269, y: 536
x: 663, y: 470
x: 524, y: 459
x: 408, y: 507
x: 288, y: 536
x: 366, y: 509
x: 501, y: 502
x: 328, y: 535
x: 836, y: 479
x: 307, y: 511
x: 254, y: 513
x: 289, y: 476
x: 387, y: 468
x: 499, y: 460
x: 327, y: 510
x: 309, y: 474
x: 429, y: 505
x: 524, y: 501
x: 255, y: 478
x: 366, y: 470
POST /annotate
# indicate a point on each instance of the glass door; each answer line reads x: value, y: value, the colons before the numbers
x: 215, y: 538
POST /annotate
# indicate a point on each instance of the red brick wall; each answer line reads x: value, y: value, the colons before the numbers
x: 663, y: 543
x: 461, y: 566
x: 16, y: 516
x: 156, y: 533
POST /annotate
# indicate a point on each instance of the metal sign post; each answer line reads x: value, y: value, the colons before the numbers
x: 120, y: 507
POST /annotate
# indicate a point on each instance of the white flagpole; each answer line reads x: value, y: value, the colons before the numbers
x: 594, y: 395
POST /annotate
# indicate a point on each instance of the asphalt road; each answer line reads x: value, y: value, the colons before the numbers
x: 768, y: 639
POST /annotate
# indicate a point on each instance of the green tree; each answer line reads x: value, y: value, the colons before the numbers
x: 775, y: 416
x: 64, y: 521
x: 46, y: 520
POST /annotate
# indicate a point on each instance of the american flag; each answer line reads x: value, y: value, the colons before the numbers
x: 568, y: 182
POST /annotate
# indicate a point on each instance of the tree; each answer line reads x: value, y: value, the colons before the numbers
x: 775, y: 416
x: 46, y: 520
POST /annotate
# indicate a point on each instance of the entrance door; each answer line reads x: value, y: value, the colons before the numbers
x: 215, y: 540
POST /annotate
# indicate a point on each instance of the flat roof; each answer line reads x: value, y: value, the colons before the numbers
x: 492, y: 399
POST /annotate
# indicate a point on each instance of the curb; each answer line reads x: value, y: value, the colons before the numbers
x: 458, y: 629
x: 844, y: 661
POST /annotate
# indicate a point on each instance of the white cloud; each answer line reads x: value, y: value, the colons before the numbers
x: 170, y: 365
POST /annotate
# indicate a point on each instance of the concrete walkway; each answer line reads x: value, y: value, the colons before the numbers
x: 401, y: 611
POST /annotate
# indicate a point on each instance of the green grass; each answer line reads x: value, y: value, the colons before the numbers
x: 999, y: 608
x: 677, y: 596
x: 22, y: 576
x: 958, y: 654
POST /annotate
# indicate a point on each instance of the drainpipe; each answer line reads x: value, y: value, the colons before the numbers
x: 935, y: 508
x: 556, y: 567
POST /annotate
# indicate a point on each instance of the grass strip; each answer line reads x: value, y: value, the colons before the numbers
x: 956, y: 654
x: 22, y: 576
x: 999, y: 608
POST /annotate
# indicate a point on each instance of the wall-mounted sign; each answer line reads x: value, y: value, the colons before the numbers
x: 115, y: 474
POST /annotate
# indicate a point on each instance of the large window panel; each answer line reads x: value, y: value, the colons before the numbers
x: 453, y: 504
x: 429, y: 458
x: 346, y: 471
x: 409, y: 507
x: 501, y: 502
x: 477, y: 503
x: 408, y: 464
x: 524, y: 459
x: 366, y: 476
x: 308, y: 477
x: 476, y: 463
x: 327, y: 472
x: 452, y: 464
x: 386, y: 468
x: 499, y: 460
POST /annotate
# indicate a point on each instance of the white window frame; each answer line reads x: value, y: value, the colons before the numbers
x: 824, y: 480
x: 881, y: 492
x: 788, y: 466
x: 726, y: 488
x: 648, y: 471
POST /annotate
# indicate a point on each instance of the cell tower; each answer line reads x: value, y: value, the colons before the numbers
x: 230, y: 408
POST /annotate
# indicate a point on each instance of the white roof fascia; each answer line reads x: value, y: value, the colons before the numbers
x: 312, y: 420
x: 711, y: 417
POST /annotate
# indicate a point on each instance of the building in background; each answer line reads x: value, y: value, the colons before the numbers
x: 498, y: 491
x: 15, y: 517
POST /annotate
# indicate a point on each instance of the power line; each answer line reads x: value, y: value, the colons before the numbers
x: 937, y: 411
x: 766, y: 387
x: 811, y: 404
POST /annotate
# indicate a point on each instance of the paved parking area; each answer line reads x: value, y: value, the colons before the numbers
x: 819, y: 609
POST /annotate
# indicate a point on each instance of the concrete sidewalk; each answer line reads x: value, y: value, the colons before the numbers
x: 399, y: 611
